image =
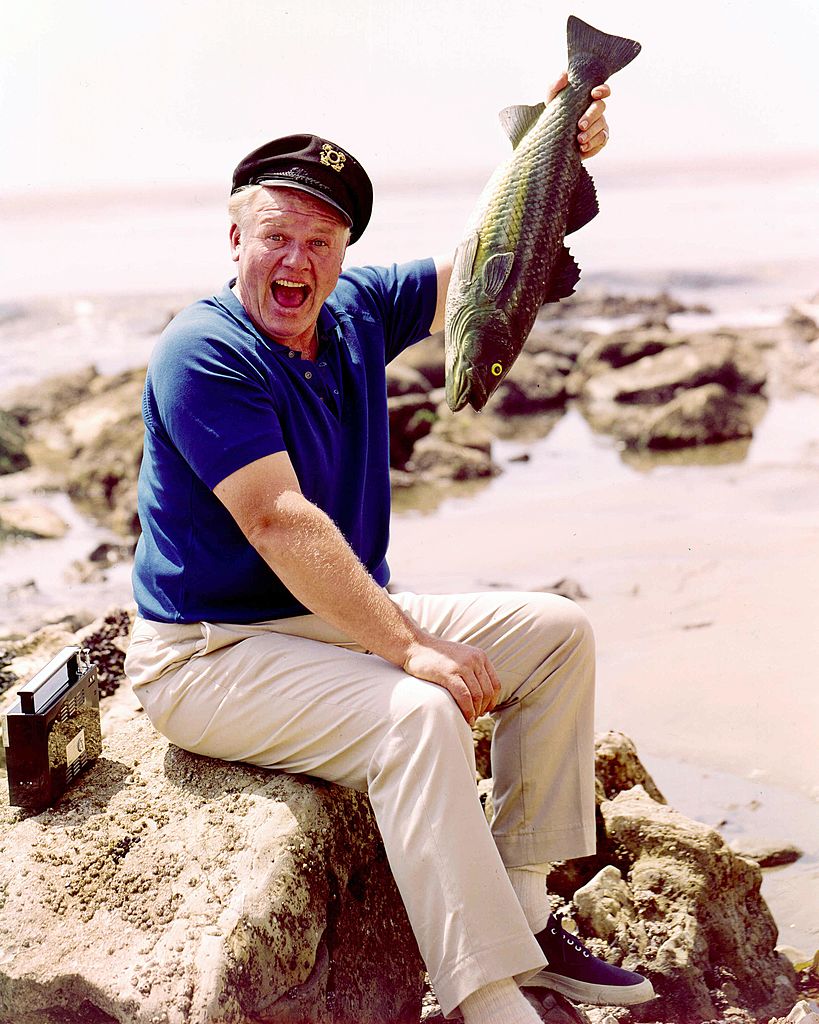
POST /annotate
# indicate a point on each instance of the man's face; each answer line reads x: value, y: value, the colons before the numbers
x: 289, y: 249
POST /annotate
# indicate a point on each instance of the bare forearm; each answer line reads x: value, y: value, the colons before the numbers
x: 311, y: 557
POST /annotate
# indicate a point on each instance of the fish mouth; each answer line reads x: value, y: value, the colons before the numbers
x: 464, y: 386
x: 289, y: 294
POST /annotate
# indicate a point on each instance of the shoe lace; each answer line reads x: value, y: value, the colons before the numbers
x: 567, y: 938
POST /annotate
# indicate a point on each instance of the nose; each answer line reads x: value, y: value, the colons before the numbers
x: 296, y: 255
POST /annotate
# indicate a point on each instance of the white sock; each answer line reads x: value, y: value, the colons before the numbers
x: 502, y: 1002
x: 529, y: 883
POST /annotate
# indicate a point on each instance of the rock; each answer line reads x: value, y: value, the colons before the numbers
x: 654, y: 379
x: 482, y: 732
x: 31, y: 519
x: 175, y: 888
x: 613, y: 351
x: 701, y: 931
x: 554, y: 1008
x: 106, y: 638
x: 405, y: 380
x: 806, y: 1011
x: 533, y: 383
x: 562, y: 341
x: 427, y: 357
x: 463, y: 428
x: 12, y: 445
x: 565, y: 587
x: 442, y: 460
x: 764, y: 852
x: 594, y: 302
x: 605, y: 905
x: 801, y: 327
x: 704, y: 415
x: 411, y: 418
x: 617, y: 767
x: 102, y: 477
x: 49, y: 399
x: 697, y: 391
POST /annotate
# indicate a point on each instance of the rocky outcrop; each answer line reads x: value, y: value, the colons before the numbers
x: 688, y: 912
x: 12, y: 445
x: 671, y: 392
x: 170, y: 887
x: 30, y: 519
x: 664, y: 895
x: 535, y: 382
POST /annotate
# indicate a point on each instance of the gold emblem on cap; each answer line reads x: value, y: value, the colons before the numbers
x: 332, y: 157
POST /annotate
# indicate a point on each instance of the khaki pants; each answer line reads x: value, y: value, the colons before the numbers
x: 297, y: 695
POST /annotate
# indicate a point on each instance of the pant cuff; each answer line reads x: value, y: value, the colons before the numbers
x: 518, y: 957
x: 520, y: 849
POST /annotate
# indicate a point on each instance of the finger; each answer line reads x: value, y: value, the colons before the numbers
x: 478, y: 684
x: 593, y: 114
x: 600, y: 92
x: 594, y: 139
x: 489, y: 683
x: 556, y: 86
x: 461, y: 694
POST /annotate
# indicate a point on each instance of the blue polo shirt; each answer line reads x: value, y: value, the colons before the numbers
x: 220, y: 394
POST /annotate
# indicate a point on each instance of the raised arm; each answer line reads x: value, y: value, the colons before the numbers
x: 592, y: 136
x: 309, y: 554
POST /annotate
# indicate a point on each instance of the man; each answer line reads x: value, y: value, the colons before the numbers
x: 266, y: 635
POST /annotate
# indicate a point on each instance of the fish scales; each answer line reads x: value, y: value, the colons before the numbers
x: 513, y: 259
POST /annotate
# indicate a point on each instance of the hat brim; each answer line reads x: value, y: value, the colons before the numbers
x: 287, y: 183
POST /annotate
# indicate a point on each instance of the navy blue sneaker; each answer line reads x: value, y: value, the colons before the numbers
x: 582, y: 977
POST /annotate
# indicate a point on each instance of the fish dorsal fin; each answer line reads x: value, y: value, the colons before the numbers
x: 565, y: 276
x: 583, y: 206
x: 496, y: 271
x: 519, y: 119
x: 465, y: 257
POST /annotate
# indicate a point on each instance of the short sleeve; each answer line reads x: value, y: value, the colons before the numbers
x: 210, y: 402
x: 401, y: 297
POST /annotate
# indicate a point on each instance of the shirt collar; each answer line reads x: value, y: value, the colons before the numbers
x: 329, y: 329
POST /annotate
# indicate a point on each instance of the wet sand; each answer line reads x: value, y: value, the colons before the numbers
x: 702, y: 584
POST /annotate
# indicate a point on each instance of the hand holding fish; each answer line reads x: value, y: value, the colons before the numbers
x: 592, y: 128
x: 461, y: 669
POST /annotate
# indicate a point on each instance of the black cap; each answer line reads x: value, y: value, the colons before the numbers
x: 312, y: 165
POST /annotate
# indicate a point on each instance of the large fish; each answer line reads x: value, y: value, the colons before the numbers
x: 513, y: 259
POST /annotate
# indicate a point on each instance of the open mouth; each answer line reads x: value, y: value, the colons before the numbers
x: 290, y: 294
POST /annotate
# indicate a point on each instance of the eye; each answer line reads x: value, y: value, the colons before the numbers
x: 319, y: 243
x: 274, y: 236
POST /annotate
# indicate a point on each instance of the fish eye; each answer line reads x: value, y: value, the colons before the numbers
x: 496, y: 369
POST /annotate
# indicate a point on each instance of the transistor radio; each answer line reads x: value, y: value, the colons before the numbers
x: 52, y: 731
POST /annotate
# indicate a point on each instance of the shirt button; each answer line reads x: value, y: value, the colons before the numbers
x: 308, y: 375
x: 322, y: 364
x: 291, y: 354
x: 335, y: 391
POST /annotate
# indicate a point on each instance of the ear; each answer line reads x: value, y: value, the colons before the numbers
x: 235, y: 242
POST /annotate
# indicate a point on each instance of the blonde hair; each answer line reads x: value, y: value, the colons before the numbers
x: 240, y: 202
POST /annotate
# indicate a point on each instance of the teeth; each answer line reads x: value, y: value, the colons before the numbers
x: 290, y: 284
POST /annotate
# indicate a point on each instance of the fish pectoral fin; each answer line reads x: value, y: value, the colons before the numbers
x: 465, y: 257
x: 565, y: 277
x: 519, y: 119
x: 496, y: 272
x: 583, y: 206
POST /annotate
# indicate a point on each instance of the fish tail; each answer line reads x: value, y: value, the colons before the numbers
x: 594, y: 55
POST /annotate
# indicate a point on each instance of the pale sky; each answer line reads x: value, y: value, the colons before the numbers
x: 167, y: 91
